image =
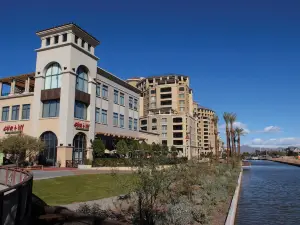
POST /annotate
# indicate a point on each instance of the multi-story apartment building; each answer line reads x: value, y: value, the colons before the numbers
x: 68, y: 100
x: 205, y: 129
x: 167, y: 109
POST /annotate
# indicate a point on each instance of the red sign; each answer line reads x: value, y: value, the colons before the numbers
x: 13, y: 128
x: 81, y: 126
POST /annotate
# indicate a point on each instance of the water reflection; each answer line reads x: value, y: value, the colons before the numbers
x: 270, y: 194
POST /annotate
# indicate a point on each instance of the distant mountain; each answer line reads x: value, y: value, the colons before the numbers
x: 247, y: 148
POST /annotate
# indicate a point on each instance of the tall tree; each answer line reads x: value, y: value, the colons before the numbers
x: 215, y: 121
x: 232, y: 119
x: 226, y: 117
x: 239, y: 132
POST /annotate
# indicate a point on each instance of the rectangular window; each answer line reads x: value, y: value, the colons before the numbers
x: 104, y: 116
x: 82, y: 43
x: 153, y: 99
x: 26, y: 112
x: 121, y: 121
x: 181, y: 95
x: 153, y: 105
x: 104, y: 91
x: 164, y: 134
x: 181, y: 109
x: 154, y: 127
x: 181, y: 102
x: 80, y: 111
x: 5, y: 113
x: 48, y: 41
x: 130, y: 102
x: 50, y: 108
x: 135, y: 124
x: 65, y: 37
x: 164, y: 127
x: 76, y: 39
x: 56, y: 39
x: 98, y: 90
x: 116, y: 96
x: 164, y: 142
x: 135, y: 104
x: 115, y: 120
x: 122, y: 99
x: 130, y: 123
x: 89, y: 47
x: 97, y: 117
x: 15, y: 112
x: 164, y: 120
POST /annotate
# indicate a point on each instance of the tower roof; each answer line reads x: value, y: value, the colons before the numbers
x: 69, y: 26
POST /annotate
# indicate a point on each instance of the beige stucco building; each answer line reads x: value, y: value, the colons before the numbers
x: 205, y: 129
x: 69, y: 100
x: 167, y: 108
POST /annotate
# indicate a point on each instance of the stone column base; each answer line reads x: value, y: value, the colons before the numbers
x: 64, y: 153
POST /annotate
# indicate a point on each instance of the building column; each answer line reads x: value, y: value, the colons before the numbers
x: 12, y: 87
x: 27, y: 83
x: 1, y: 88
x: 64, y: 153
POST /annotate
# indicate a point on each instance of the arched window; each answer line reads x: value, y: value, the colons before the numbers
x: 82, y: 79
x: 50, y: 150
x: 79, y: 143
x: 53, y: 76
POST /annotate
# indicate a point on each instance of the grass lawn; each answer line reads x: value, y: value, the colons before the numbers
x: 80, y: 188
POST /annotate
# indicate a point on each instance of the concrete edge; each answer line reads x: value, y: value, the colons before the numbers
x: 234, y: 202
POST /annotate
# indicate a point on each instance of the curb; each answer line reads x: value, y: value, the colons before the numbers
x: 234, y: 202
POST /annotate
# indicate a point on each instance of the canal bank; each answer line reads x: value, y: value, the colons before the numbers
x: 290, y: 160
x: 269, y: 194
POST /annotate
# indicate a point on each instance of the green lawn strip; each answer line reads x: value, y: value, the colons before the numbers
x: 80, y: 188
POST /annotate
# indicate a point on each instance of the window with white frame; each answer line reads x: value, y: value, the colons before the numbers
x: 122, y: 102
x: 80, y: 111
x: 121, y: 121
x: 53, y: 76
x: 164, y: 127
x: 51, y: 108
x: 135, y: 124
x: 15, y: 112
x: 104, y: 116
x: 104, y: 91
x: 130, y: 102
x: 97, y: 117
x: 116, y: 96
x: 135, y: 105
x: 164, y: 120
x: 5, y: 113
x: 82, y: 79
x: 26, y: 112
x: 98, y: 90
x: 130, y: 123
x: 115, y: 119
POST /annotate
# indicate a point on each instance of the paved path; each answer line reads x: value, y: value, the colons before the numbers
x: 40, y: 174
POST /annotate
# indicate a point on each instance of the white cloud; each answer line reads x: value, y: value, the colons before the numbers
x: 276, y: 142
x: 271, y: 129
x: 237, y: 124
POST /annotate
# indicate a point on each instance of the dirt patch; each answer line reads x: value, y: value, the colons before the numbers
x: 219, y: 215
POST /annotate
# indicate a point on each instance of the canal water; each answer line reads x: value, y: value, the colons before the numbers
x: 270, y: 194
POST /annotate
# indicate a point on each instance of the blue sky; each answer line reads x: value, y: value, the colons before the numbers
x: 242, y: 56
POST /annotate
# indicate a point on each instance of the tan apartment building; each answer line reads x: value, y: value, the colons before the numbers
x: 69, y: 101
x: 167, y: 108
x: 205, y: 129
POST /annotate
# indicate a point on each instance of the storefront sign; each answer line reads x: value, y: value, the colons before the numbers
x: 81, y: 126
x: 13, y: 129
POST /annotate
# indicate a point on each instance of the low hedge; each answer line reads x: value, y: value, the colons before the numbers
x: 127, y: 162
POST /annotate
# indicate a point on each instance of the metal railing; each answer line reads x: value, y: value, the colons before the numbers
x: 15, y: 196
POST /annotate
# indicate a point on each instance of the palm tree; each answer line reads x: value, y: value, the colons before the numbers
x: 226, y: 117
x: 232, y: 119
x: 215, y: 120
x: 239, y: 132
